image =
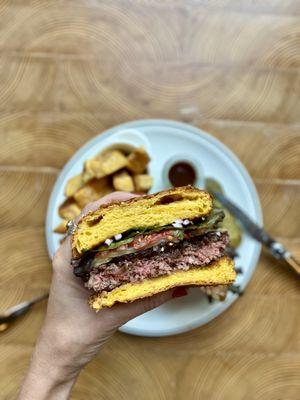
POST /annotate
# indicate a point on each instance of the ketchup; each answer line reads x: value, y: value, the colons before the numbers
x: 181, y: 174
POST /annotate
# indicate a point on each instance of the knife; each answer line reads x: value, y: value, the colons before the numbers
x: 14, y: 312
x: 276, y: 249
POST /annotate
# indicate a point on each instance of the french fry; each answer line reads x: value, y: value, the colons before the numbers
x: 112, y: 161
x: 69, y: 209
x: 142, y: 182
x: 123, y: 181
x: 73, y: 185
x: 92, y: 168
x: 91, y: 191
x: 138, y: 160
x: 62, y: 227
x: 105, y: 163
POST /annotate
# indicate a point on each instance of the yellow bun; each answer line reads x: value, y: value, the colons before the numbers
x: 220, y: 272
x: 141, y: 212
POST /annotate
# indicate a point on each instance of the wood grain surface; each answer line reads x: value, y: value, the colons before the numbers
x: 70, y: 69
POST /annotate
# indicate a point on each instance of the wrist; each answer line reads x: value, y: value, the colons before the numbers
x: 46, y: 381
x: 51, y: 374
x: 56, y: 355
x: 54, y: 349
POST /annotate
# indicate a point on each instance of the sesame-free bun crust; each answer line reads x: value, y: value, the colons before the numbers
x: 140, y: 212
x: 220, y: 272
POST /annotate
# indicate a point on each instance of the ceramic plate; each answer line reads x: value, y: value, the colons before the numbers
x: 163, y: 140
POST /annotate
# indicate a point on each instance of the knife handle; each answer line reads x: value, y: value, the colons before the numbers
x: 279, y: 252
x: 293, y: 263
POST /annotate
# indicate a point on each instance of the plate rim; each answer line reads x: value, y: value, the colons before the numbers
x: 199, y: 132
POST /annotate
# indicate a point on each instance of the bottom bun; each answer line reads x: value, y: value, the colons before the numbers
x: 220, y: 272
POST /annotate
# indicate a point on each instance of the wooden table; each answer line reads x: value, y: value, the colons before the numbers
x: 69, y: 70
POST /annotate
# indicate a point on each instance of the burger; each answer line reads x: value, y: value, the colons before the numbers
x: 132, y: 249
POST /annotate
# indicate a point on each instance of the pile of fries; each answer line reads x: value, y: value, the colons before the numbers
x: 108, y: 171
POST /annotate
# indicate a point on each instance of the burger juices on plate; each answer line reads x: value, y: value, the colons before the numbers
x: 128, y: 250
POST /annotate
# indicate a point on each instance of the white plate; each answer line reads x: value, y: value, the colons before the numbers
x: 163, y: 139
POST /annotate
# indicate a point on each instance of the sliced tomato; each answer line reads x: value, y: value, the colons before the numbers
x: 140, y: 242
x: 143, y: 242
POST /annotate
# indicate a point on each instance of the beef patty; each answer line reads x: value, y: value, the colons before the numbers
x: 160, y: 260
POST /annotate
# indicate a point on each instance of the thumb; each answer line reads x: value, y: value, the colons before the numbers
x: 125, y: 312
x: 122, y: 313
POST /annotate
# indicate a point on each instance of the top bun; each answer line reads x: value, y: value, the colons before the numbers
x: 157, y: 210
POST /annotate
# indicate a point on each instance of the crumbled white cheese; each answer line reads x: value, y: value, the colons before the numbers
x: 177, y: 224
x: 218, y: 234
x: 178, y: 221
x: 108, y: 242
x: 186, y: 222
x: 118, y: 236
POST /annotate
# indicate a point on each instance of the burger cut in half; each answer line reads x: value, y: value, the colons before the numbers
x: 133, y: 249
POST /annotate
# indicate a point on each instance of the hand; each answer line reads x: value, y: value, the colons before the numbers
x: 73, y: 333
x: 79, y: 329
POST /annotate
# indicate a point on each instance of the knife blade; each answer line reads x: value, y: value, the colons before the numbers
x: 19, y: 309
x: 258, y: 233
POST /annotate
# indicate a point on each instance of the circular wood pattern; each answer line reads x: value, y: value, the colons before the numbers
x: 69, y: 70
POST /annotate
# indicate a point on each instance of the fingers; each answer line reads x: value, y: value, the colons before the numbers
x: 115, y: 196
x: 65, y: 248
x: 62, y: 257
x: 122, y: 313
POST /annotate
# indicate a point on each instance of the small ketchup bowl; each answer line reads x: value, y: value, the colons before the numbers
x: 182, y: 169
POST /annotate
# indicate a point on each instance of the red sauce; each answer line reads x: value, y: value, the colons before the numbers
x: 182, y: 174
